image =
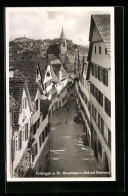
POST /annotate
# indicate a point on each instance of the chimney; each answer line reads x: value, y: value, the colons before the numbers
x: 11, y: 71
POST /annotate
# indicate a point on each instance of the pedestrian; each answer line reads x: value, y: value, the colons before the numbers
x: 66, y: 120
x: 67, y: 109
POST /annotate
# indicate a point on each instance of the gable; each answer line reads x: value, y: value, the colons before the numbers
x: 95, y: 34
x: 47, y: 78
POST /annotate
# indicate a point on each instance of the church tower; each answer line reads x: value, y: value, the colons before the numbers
x: 63, y: 43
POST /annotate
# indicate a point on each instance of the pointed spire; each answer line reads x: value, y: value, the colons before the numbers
x: 62, y: 34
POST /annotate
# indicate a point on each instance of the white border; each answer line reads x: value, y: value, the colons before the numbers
x: 88, y: 9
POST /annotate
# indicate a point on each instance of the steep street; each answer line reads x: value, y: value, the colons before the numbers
x: 68, y: 155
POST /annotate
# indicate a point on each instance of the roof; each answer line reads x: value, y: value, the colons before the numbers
x: 52, y: 57
x: 69, y: 63
x: 16, y: 86
x: 43, y: 67
x: 44, y: 105
x: 102, y: 23
x: 55, y: 68
x: 12, y: 102
x: 54, y: 76
x: 62, y: 57
x: 54, y: 90
x: 27, y: 68
x: 53, y: 49
x: 32, y: 86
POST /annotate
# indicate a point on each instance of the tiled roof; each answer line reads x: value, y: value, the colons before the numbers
x: 16, y: 86
x: 103, y: 25
x: 53, y: 49
x: 44, y: 105
x: 70, y: 52
x: 55, y: 68
x: 27, y: 68
x: 69, y: 63
x: 52, y: 57
x: 62, y: 57
x: 12, y: 102
x: 43, y: 67
x: 32, y: 86
x: 54, y: 76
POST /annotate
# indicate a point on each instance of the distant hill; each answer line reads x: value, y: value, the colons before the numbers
x: 31, y: 44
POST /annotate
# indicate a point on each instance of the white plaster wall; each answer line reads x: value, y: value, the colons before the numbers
x: 19, y: 153
x: 100, y: 59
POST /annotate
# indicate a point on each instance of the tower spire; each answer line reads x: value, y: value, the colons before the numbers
x: 62, y: 34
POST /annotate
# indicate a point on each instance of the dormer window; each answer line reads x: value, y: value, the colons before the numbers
x: 48, y: 74
x: 99, y: 49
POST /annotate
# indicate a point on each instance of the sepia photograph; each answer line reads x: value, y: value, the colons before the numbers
x: 60, y: 94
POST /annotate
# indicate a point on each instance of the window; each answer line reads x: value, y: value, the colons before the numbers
x: 99, y: 121
x: 48, y: 74
x: 13, y: 149
x: 103, y: 76
x: 16, y: 144
x: 95, y: 49
x: 109, y: 138
x: 36, y: 105
x: 36, y: 126
x: 100, y: 148
x: 102, y: 126
x: 99, y: 49
x: 105, y: 50
x: 107, y: 107
x: 101, y: 98
x: 99, y: 74
x: 26, y: 131
x: 63, y: 44
x: 20, y: 140
x: 106, y: 77
x: 37, y: 123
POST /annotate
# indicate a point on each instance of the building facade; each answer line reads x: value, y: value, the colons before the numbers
x: 99, y: 75
x: 31, y: 135
x: 83, y: 106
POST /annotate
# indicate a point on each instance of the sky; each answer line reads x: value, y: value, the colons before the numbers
x: 43, y: 23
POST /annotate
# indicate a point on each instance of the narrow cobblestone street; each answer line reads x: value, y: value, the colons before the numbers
x: 68, y: 155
